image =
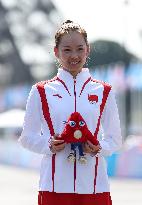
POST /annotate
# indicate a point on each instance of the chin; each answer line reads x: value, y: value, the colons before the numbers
x: 75, y: 70
x: 75, y: 67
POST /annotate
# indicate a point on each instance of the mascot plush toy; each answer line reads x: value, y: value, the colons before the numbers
x: 76, y: 133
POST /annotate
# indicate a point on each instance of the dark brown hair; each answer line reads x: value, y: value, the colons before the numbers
x: 66, y: 27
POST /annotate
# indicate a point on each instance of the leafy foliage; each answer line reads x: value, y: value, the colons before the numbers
x: 104, y: 52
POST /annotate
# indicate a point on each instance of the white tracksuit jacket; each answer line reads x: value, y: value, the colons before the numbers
x: 66, y: 95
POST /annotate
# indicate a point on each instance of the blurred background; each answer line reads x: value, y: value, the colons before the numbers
x: 114, y: 30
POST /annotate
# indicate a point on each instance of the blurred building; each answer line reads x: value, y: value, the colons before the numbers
x: 26, y: 40
x: 13, y: 70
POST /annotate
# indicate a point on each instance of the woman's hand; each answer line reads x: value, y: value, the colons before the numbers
x: 90, y: 148
x: 56, y: 145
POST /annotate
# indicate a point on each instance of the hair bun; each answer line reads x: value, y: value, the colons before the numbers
x: 67, y: 21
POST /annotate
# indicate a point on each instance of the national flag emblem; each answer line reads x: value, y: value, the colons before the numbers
x: 92, y: 98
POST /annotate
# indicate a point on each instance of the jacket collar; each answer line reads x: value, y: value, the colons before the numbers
x: 68, y: 79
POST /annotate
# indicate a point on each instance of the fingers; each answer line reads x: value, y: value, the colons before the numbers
x: 56, y: 142
x: 56, y: 145
x: 87, y: 148
x: 58, y: 148
x: 90, y: 143
x: 94, y: 147
x: 90, y: 148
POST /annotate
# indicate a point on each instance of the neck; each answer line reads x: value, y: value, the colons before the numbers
x: 74, y: 74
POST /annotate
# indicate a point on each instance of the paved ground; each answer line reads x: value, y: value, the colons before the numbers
x: 19, y: 187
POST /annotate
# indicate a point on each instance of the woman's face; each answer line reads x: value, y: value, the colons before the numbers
x: 72, y: 52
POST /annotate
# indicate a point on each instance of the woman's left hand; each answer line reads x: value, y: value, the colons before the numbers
x: 91, y: 148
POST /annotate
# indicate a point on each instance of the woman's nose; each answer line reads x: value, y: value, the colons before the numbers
x: 74, y: 54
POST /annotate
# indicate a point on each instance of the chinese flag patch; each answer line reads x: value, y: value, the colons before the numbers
x: 92, y: 98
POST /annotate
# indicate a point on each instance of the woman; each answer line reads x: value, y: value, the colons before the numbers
x: 50, y: 104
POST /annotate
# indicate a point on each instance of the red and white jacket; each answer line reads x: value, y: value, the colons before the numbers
x: 49, y: 104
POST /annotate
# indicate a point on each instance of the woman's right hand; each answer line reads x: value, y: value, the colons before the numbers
x: 56, y: 145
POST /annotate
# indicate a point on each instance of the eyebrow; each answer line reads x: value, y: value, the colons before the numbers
x: 70, y: 46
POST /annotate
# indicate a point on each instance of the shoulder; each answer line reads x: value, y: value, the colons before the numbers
x: 105, y: 84
x: 106, y: 87
x: 40, y: 86
x: 43, y: 83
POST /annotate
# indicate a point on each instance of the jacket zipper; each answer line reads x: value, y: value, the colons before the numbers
x: 75, y: 152
x: 75, y: 94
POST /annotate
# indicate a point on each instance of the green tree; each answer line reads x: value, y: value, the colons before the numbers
x: 104, y: 52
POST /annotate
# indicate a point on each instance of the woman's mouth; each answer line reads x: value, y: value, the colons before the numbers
x: 74, y: 62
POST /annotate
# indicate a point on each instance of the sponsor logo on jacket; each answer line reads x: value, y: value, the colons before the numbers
x: 57, y: 95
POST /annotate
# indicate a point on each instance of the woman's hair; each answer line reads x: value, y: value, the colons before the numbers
x: 66, y: 27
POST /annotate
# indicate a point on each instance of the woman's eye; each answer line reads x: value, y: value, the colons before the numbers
x: 81, y: 123
x: 67, y: 50
x: 72, y: 123
x: 80, y: 49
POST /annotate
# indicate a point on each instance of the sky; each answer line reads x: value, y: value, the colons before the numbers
x: 117, y: 20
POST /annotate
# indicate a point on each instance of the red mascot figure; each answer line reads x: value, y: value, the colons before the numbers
x: 76, y: 133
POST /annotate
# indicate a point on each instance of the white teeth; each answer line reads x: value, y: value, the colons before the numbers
x: 74, y: 63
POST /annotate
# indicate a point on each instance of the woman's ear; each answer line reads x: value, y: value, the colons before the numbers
x: 56, y: 51
x: 88, y: 50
